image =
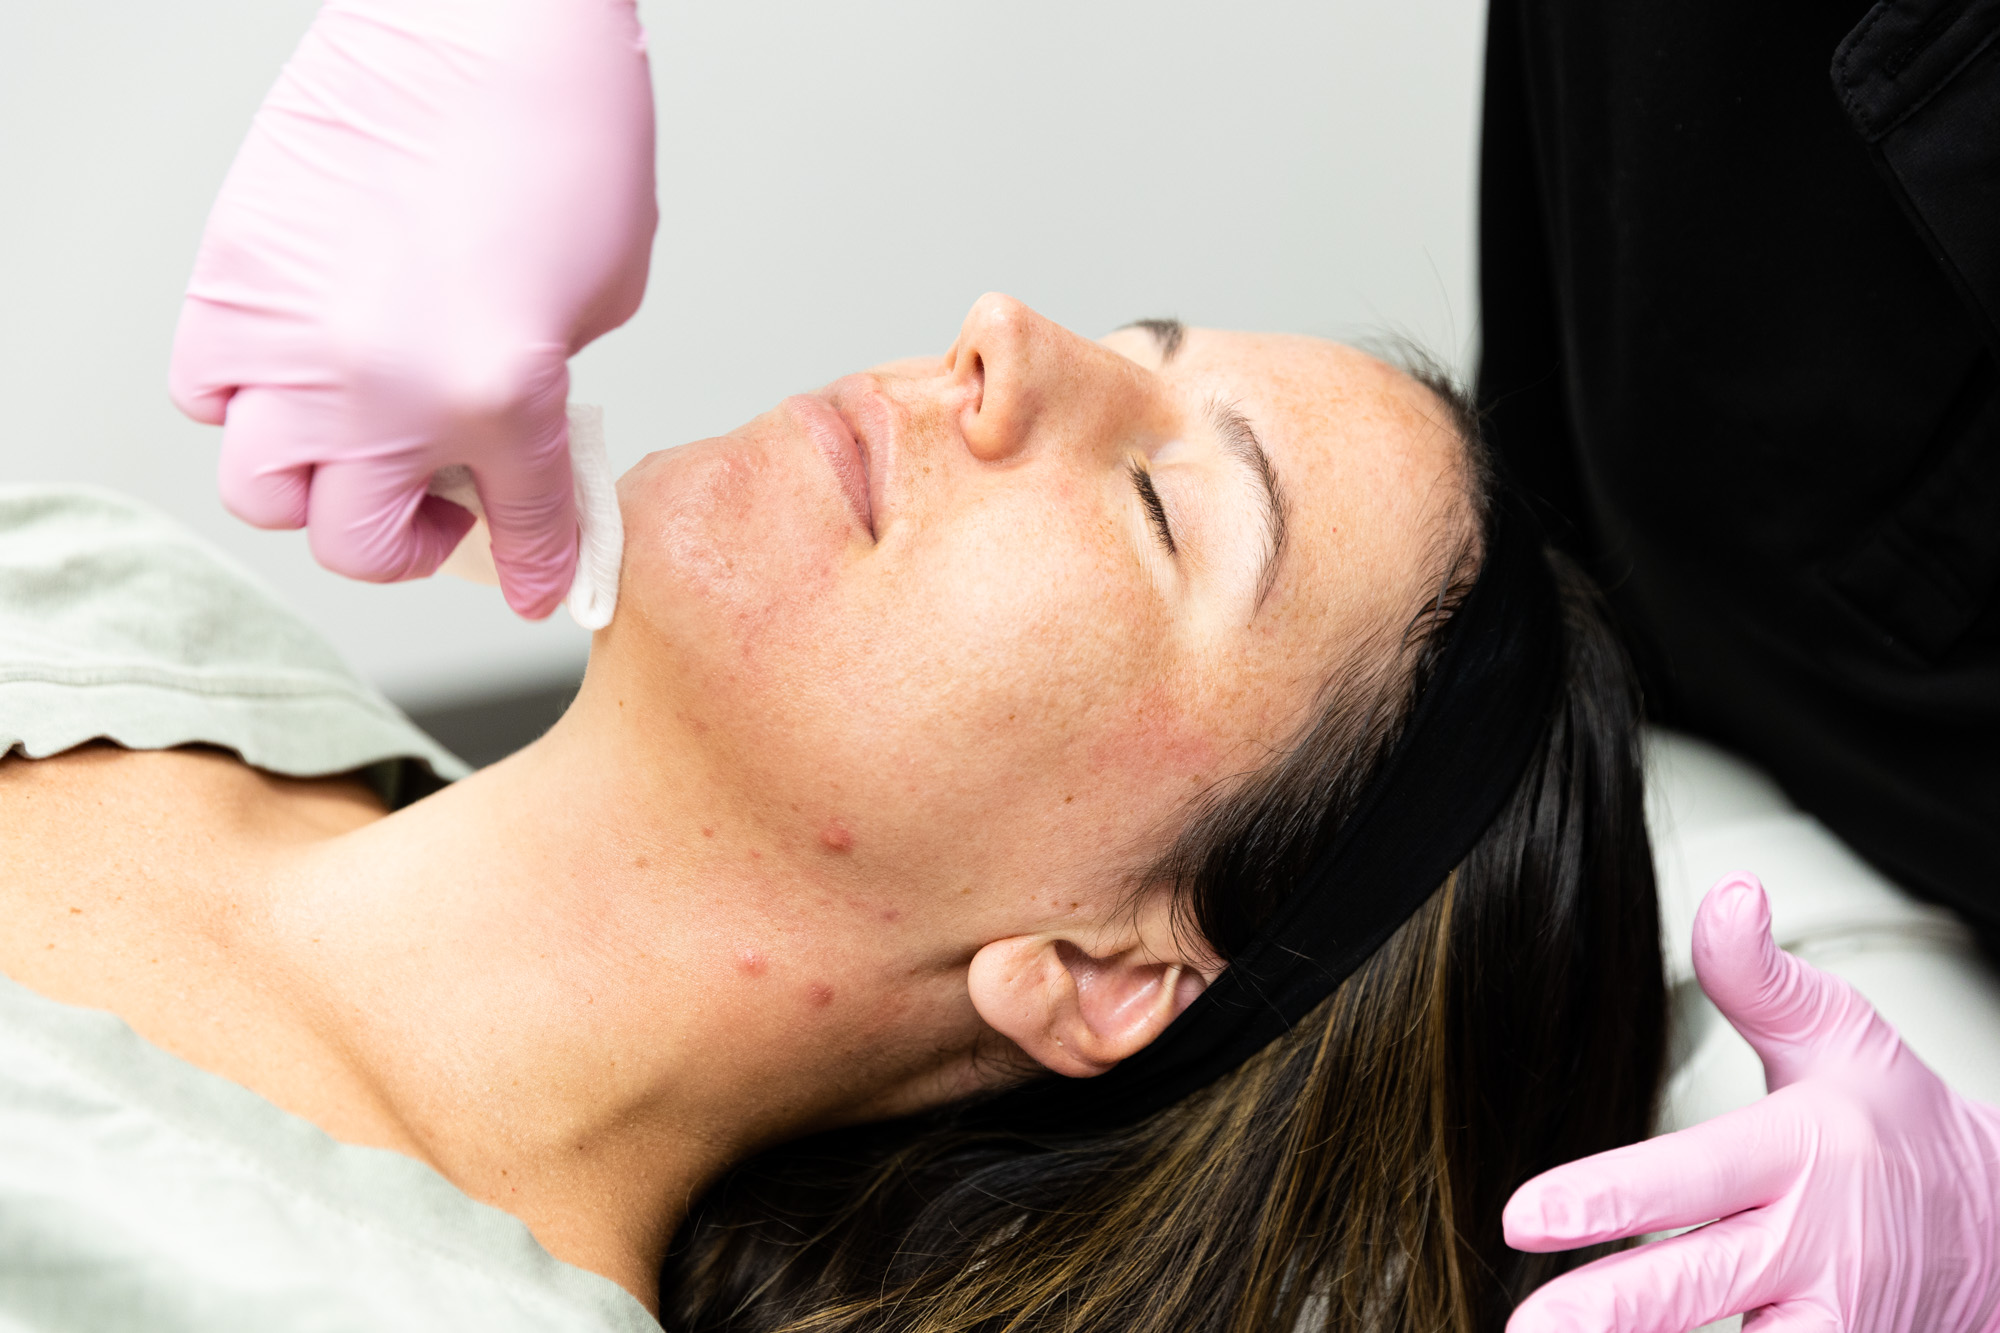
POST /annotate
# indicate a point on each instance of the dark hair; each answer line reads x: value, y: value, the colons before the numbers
x: 1351, y: 1175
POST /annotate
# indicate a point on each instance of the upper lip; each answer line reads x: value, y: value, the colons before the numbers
x: 871, y: 422
x: 831, y: 432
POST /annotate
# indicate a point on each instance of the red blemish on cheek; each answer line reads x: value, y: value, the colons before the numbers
x: 836, y: 836
x: 751, y: 963
x: 1155, y: 740
x: 891, y: 914
x: 819, y: 994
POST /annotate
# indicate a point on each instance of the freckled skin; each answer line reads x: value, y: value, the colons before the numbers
x: 1011, y: 685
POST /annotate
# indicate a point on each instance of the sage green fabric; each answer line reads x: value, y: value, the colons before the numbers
x: 136, y: 1191
x: 117, y: 623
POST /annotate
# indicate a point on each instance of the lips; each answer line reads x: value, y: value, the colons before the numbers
x: 845, y: 453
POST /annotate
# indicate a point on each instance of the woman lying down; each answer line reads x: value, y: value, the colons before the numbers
x: 1124, y: 835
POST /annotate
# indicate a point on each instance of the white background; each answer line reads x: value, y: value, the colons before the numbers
x: 838, y: 182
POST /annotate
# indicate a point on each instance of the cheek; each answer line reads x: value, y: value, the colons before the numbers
x: 1015, y: 625
x: 1023, y: 683
x: 1005, y: 670
x: 1155, y: 749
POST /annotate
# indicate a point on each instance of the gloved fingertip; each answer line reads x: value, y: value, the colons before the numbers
x: 197, y: 382
x: 1768, y: 996
x: 210, y: 407
x: 358, y: 531
x: 1542, y: 1316
x: 1538, y: 1220
x: 1523, y: 1222
x: 376, y: 557
x: 1739, y: 894
x: 262, y: 480
x: 534, y: 591
x: 272, y: 498
x: 537, y: 606
x: 1735, y: 915
x: 1793, y: 1317
x: 531, y: 512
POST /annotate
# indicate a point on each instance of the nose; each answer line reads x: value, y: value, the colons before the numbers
x: 1022, y: 378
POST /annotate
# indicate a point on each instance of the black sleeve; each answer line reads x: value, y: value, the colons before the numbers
x: 1740, y: 287
x: 1521, y: 363
x: 1921, y: 84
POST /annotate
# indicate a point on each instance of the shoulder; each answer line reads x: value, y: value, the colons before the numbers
x: 138, y: 1190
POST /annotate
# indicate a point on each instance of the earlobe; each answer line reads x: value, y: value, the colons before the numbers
x: 1076, y: 1013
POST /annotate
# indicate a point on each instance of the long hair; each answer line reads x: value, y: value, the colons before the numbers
x: 1348, y: 1177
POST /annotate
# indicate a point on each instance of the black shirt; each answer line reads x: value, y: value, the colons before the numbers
x: 1740, y: 277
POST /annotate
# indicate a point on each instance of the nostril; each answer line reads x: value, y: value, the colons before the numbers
x: 978, y: 379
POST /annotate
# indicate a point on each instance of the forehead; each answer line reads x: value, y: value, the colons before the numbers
x: 1369, y: 458
x: 1333, y: 403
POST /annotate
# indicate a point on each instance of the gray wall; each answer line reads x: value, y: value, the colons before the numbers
x: 838, y: 182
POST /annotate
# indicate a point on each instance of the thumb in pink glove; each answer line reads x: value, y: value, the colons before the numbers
x: 1862, y: 1194
x: 439, y: 203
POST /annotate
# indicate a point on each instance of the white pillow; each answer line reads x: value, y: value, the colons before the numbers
x: 1711, y: 813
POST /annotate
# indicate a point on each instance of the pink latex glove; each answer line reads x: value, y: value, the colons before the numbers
x: 439, y: 202
x: 1862, y: 1194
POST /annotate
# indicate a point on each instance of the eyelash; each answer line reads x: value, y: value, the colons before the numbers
x: 1150, y: 497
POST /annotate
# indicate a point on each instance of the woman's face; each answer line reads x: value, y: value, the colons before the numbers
x: 969, y: 631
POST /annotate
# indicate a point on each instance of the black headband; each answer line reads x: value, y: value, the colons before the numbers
x: 1468, y: 740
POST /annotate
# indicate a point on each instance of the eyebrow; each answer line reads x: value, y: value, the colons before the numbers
x: 1240, y: 440
x: 1168, y: 333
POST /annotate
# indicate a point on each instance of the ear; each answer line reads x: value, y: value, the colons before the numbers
x: 1076, y: 1013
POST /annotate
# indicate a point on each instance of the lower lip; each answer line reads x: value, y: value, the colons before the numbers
x: 837, y: 444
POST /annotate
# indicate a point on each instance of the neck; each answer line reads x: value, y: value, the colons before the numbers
x: 581, y: 990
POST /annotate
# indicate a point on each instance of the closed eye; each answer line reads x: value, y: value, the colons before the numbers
x: 1150, y: 497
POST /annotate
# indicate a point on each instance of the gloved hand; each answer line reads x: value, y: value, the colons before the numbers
x: 1862, y: 1194
x: 439, y: 202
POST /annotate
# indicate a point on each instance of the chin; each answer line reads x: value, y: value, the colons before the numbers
x: 732, y: 599
x: 730, y: 528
